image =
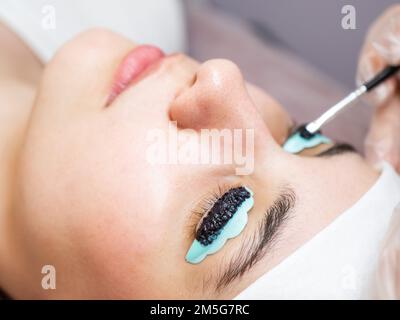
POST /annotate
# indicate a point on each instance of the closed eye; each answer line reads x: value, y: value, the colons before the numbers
x: 217, y: 211
x: 337, y: 149
x: 255, y: 247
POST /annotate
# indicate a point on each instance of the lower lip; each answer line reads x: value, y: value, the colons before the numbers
x: 132, y: 66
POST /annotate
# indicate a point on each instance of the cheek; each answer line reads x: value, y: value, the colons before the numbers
x: 274, y: 115
x: 90, y: 185
x: 116, y: 254
x: 90, y: 201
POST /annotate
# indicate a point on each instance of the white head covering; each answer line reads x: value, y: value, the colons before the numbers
x: 340, y: 261
x: 45, y: 25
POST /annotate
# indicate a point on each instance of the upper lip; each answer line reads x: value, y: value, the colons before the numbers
x: 132, y: 66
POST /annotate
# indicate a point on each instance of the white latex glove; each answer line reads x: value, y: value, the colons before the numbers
x: 382, y: 48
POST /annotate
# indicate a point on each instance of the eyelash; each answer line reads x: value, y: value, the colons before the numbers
x: 206, y: 204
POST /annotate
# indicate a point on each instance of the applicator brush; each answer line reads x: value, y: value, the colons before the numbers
x: 308, y: 135
x: 307, y: 131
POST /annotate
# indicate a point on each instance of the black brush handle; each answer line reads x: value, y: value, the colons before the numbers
x: 381, y: 76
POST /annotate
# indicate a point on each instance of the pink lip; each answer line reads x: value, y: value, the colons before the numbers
x: 132, y: 66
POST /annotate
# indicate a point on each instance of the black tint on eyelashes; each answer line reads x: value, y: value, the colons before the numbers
x: 220, y: 213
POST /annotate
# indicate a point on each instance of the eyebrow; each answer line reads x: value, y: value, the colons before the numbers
x: 337, y: 149
x: 254, y: 248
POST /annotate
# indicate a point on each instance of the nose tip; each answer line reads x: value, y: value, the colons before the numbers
x: 220, y: 74
x: 217, y: 98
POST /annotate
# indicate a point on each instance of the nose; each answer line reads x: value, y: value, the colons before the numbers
x: 217, y: 98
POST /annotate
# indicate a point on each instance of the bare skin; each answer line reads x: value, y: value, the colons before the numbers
x: 76, y: 193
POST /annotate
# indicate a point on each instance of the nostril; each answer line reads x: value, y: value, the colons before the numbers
x: 189, y: 84
x: 179, y: 108
x: 193, y: 81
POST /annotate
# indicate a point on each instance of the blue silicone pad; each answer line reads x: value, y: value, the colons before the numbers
x: 197, y: 252
x: 296, y: 143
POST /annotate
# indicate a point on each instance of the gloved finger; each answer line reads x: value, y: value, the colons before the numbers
x: 381, y: 48
x: 388, y: 44
x: 371, y: 62
x: 383, y: 139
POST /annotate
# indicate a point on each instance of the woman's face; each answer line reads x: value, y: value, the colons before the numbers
x: 114, y: 224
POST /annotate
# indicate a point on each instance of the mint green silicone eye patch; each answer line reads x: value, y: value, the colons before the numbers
x: 296, y: 143
x: 199, y: 251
